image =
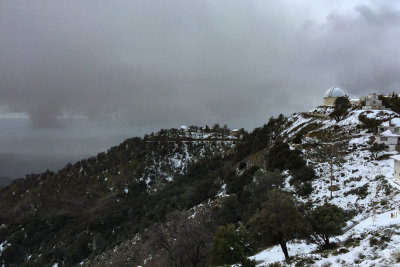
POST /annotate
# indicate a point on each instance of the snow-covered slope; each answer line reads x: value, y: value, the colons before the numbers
x: 361, y: 184
x: 371, y: 242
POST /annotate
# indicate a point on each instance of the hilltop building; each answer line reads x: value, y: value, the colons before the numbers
x: 389, y: 134
x: 235, y: 132
x: 372, y: 102
x: 331, y: 94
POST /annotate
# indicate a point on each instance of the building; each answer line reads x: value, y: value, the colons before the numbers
x: 331, y: 94
x: 372, y: 102
x: 235, y: 132
x: 389, y: 134
x: 396, y: 168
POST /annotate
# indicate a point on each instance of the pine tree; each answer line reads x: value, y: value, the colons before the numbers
x: 326, y: 221
x: 279, y: 220
x: 342, y: 104
x: 230, y: 246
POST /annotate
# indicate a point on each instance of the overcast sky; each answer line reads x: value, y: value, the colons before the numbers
x: 72, y: 71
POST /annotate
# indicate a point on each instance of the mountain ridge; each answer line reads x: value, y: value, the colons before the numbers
x: 128, y: 198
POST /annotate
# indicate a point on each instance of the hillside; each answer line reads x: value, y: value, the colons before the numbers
x: 159, y: 201
x: 361, y: 185
x: 103, y: 198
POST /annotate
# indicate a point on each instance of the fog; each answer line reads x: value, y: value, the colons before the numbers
x: 136, y: 66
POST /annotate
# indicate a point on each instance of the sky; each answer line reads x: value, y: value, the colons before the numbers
x: 77, y: 77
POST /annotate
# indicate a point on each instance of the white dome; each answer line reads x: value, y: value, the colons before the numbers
x: 334, y: 92
x: 372, y: 97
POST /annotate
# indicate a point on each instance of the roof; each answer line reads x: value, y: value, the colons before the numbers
x: 395, y: 122
x: 334, y: 92
x: 372, y: 97
x: 389, y: 133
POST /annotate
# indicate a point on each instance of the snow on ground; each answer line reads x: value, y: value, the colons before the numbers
x: 298, y: 121
x: 355, y: 170
x: 222, y: 191
x: 275, y: 254
x: 361, y: 255
x: 3, y: 246
x: 361, y: 184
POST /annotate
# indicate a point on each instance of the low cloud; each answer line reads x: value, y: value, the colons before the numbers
x: 157, y: 63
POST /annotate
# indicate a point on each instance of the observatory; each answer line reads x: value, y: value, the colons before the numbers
x: 372, y: 102
x: 331, y: 94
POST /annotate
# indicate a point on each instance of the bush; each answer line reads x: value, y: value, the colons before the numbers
x: 370, y: 124
x: 342, y: 251
x: 242, y: 165
x: 326, y: 264
x: 281, y: 157
x: 396, y: 256
x: 304, y: 189
x: 304, y: 174
x: 230, y: 246
x: 362, y: 192
x: 294, y: 162
x: 376, y: 149
x: 277, y: 156
x: 79, y: 250
x: 326, y: 221
x: 13, y: 254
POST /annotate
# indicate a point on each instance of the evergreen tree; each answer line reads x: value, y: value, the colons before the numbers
x: 342, y: 104
x: 278, y: 155
x: 279, y: 221
x: 230, y: 246
x: 326, y: 221
x: 369, y: 123
x: 395, y: 105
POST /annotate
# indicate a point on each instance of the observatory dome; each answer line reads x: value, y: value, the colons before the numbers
x: 334, y: 92
x: 372, y: 97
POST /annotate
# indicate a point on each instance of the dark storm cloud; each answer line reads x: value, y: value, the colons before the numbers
x: 167, y: 62
x: 359, y: 49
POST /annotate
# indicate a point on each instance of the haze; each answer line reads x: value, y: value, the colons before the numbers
x: 79, y: 76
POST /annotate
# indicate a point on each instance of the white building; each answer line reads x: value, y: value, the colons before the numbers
x: 389, y: 134
x: 396, y: 168
x: 372, y: 102
x: 331, y: 94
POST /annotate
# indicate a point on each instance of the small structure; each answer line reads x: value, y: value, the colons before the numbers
x: 389, y: 134
x: 235, y: 132
x: 331, y: 94
x: 396, y: 168
x: 355, y: 101
x: 372, y: 102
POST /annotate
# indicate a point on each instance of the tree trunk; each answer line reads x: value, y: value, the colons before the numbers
x: 326, y: 239
x: 284, y: 249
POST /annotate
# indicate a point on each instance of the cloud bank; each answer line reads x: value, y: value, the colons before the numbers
x: 159, y: 63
